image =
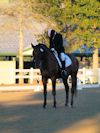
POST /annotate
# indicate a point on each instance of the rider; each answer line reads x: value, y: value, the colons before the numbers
x: 56, y: 43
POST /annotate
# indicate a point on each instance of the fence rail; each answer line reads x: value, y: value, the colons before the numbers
x: 84, y: 75
x: 31, y: 74
x: 88, y: 75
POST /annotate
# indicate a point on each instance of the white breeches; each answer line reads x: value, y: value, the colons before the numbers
x: 65, y: 58
x: 62, y: 56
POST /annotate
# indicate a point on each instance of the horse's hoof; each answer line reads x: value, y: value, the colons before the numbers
x: 66, y: 105
x: 44, y: 106
x: 72, y: 106
x: 54, y: 106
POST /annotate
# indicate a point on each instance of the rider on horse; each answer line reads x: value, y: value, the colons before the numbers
x: 56, y: 43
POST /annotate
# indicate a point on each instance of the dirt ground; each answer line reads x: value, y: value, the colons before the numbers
x: 22, y: 112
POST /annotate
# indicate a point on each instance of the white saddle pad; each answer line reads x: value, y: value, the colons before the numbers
x: 68, y: 61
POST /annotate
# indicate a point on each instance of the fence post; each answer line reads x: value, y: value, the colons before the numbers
x: 13, y: 76
x: 98, y: 75
x: 84, y: 75
x: 31, y: 75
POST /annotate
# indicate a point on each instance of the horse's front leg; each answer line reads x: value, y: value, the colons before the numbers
x: 65, y: 82
x: 44, y: 80
x: 54, y: 92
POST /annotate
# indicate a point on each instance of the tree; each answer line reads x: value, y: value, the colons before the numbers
x: 73, y: 2
x: 83, y: 18
x: 20, y: 52
x: 80, y: 20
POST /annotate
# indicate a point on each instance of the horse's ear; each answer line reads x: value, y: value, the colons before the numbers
x: 32, y: 45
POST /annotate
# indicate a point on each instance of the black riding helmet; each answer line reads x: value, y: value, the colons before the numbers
x: 51, y: 33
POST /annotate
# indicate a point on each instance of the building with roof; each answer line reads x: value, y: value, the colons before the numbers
x: 9, y: 42
x: 9, y: 35
x: 84, y: 51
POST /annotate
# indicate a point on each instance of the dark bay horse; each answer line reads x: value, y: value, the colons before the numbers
x: 45, y: 60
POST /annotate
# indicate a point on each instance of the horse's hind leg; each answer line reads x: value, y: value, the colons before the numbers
x: 66, y: 90
x: 44, y: 80
x: 73, y: 89
x: 54, y: 92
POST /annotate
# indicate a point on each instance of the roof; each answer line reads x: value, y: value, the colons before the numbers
x: 9, y: 34
x: 9, y: 42
x: 84, y: 51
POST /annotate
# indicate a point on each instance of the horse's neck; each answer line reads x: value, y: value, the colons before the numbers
x: 49, y: 61
x: 44, y: 62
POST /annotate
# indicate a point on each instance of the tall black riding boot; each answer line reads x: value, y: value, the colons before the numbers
x: 63, y: 65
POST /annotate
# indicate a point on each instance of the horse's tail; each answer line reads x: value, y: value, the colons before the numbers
x: 75, y: 84
x: 76, y: 77
x: 75, y: 89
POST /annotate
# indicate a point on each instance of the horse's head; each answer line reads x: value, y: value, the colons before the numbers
x: 38, y: 52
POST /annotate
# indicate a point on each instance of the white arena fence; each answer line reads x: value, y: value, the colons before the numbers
x: 9, y: 75
x: 31, y: 74
x: 87, y: 76
x: 84, y: 75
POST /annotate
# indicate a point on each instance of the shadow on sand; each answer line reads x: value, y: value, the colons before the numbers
x: 27, y: 115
